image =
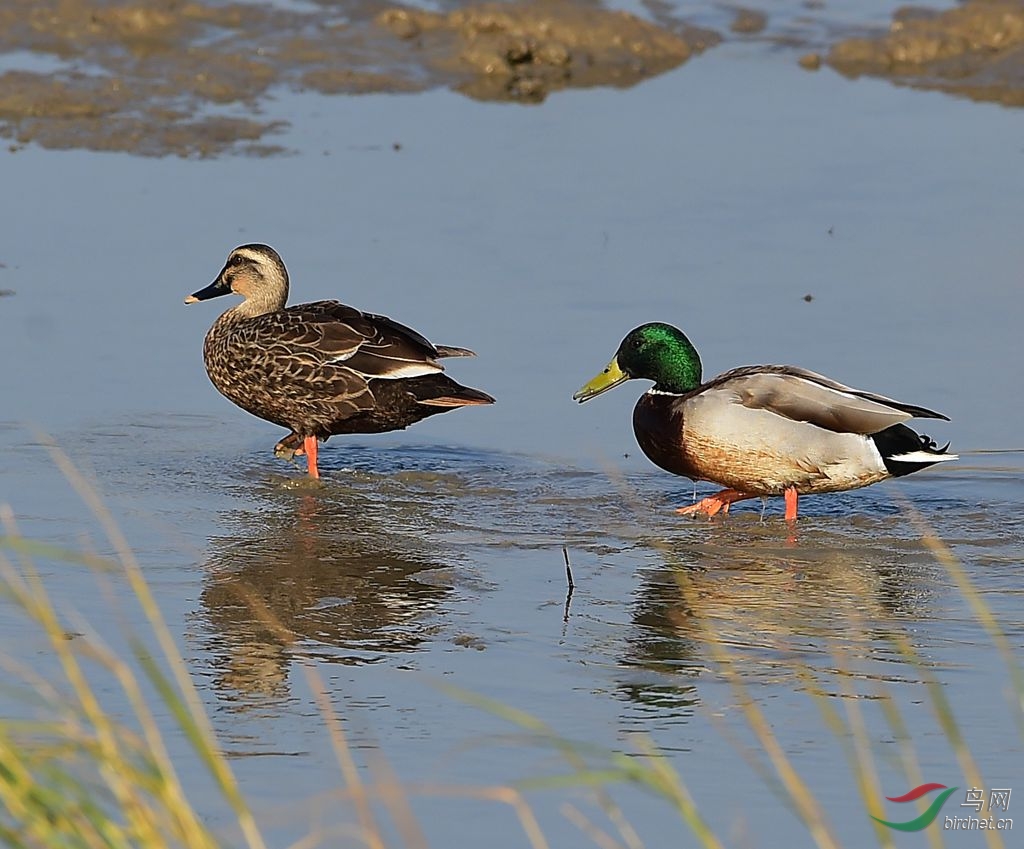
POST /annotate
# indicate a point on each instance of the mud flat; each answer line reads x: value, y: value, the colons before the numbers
x: 975, y: 50
x: 521, y: 52
x: 158, y: 78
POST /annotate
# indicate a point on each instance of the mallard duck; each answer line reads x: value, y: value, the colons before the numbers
x: 323, y: 368
x: 761, y: 430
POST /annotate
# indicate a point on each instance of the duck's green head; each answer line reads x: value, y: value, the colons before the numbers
x: 655, y: 351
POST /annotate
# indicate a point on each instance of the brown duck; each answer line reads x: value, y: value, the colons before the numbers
x: 323, y: 368
x: 761, y: 430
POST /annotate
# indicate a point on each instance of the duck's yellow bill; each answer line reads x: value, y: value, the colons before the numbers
x: 611, y: 377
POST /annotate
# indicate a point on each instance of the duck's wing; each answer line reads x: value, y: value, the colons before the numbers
x: 805, y: 396
x: 371, y: 346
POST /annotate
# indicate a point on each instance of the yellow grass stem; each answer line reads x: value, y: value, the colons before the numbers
x: 200, y: 722
x: 908, y: 757
x: 947, y: 722
x: 651, y: 771
x: 806, y: 804
x: 859, y: 751
x: 505, y: 795
x: 982, y: 612
x: 598, y: 837
x: 346, y: 762
x: 30, y: 593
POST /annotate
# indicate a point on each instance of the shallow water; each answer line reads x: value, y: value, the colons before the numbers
x: 716, y: 197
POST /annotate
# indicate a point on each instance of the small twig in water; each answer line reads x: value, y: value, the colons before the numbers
x: 572, y: 586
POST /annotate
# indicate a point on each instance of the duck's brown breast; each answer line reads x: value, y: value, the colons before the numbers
x: 658, y: 426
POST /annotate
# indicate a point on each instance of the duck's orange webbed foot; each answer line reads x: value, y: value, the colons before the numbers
x: 714, y: 504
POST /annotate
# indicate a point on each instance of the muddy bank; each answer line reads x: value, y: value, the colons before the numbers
x: 975, y: 50
x: 156, y: 78
x: 521, y: 52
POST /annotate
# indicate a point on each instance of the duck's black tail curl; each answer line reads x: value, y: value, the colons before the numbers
x: 904, y: 450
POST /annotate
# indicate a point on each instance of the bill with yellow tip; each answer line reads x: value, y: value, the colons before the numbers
x: 611, y: 377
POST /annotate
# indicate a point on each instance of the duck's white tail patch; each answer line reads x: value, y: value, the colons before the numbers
x: 390, y: 369
x: 923, y: 457
x: 408, y: 370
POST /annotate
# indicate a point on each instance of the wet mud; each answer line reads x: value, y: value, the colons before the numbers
x: 188, y: 78
x: 521, y: 52
x: 160, y: 77
x: 975, y: 50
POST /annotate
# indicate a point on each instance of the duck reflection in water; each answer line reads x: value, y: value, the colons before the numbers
x: 299, y: 576
x: 776, y: 612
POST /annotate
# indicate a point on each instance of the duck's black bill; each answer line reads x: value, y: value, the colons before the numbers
x: 214, y: 290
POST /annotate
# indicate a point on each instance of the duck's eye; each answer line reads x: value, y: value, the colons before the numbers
x: 236, y: 260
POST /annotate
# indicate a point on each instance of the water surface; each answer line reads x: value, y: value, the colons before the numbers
x: 716, y: 196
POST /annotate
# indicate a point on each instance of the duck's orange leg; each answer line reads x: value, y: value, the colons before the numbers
x: 713, y: 504
x: 309, y: 445
x: 792, y: 496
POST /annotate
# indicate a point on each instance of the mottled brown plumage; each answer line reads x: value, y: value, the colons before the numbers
x: 322, y: 368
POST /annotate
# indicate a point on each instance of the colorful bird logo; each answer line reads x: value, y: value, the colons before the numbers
x: 928, y: 816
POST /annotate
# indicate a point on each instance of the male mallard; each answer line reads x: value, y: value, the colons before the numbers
x: 761, y: 430
x: 323, y: 368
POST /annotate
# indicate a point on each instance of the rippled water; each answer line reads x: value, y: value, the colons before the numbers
x: 714, y: 197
